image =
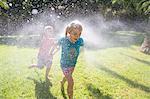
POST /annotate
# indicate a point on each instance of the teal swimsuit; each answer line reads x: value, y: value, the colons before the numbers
x: 70, y: 51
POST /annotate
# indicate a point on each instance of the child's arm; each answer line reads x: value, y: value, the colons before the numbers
x: 57, y: 48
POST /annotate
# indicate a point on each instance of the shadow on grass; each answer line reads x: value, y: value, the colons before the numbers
x: 142, y: 61
x: 96, y: 93
x: 42, y: 89
x: 128, y: 81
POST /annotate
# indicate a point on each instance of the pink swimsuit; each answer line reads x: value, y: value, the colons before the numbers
x: 46, y: 50
x: 47, y: 47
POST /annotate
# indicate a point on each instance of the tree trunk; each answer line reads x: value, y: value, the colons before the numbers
x: 145, y: 47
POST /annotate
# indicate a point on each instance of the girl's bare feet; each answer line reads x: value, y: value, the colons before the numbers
x: 32, y: 66
x: 48, y: 78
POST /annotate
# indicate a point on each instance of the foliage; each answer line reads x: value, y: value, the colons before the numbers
x: 23, y: 8
x: 3, y: 4
x: 144, y: 7
x: 134, y: 6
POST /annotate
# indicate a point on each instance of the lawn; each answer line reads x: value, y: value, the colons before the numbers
x: 120, y: 72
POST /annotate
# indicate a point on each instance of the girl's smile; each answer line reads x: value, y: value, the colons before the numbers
x: 74, y: 35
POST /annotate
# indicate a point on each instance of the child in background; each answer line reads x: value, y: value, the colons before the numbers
x: 48, y: 48
x: 70, y: 45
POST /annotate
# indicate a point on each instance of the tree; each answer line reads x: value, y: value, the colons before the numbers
x: 4, y: 4
x: 137, y: 9
x: 144, y: 8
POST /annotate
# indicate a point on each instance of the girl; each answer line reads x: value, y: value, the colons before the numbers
x: 47, y: 50
x: 70, y: 45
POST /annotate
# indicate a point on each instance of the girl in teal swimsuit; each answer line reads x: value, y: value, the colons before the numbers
x: 70, y: 45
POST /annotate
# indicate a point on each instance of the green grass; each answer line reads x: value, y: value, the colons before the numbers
x: 112, y: 73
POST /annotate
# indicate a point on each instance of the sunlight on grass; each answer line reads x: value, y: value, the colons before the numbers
x: 121, y: 72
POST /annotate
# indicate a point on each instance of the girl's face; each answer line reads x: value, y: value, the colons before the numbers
x: 75, y: 34
x: 49, y: 32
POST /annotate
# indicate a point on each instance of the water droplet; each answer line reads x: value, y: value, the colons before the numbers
x: 10, y: 4
x: 51, y: 15
x: 52, y: 8
x: 28, y: 21
x: 23, y: 7
x: 58, y: 16
x: 59, y: 13
x: 34, y: 11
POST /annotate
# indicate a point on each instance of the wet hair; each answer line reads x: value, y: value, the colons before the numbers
x: 45, y: 28
x: 48, y: 27
x: 73, y: 25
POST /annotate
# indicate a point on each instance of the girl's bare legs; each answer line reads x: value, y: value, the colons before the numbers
x: 47, y: 72
x: 68, y: 77
x: 70, y: 81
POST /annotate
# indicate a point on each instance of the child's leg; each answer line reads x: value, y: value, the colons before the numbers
x: 47, y: 73
x: 48, y: 67
x: 32, y: 66
x: 69, y: 79
x: 39, y: 64
x: 70, y: 86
